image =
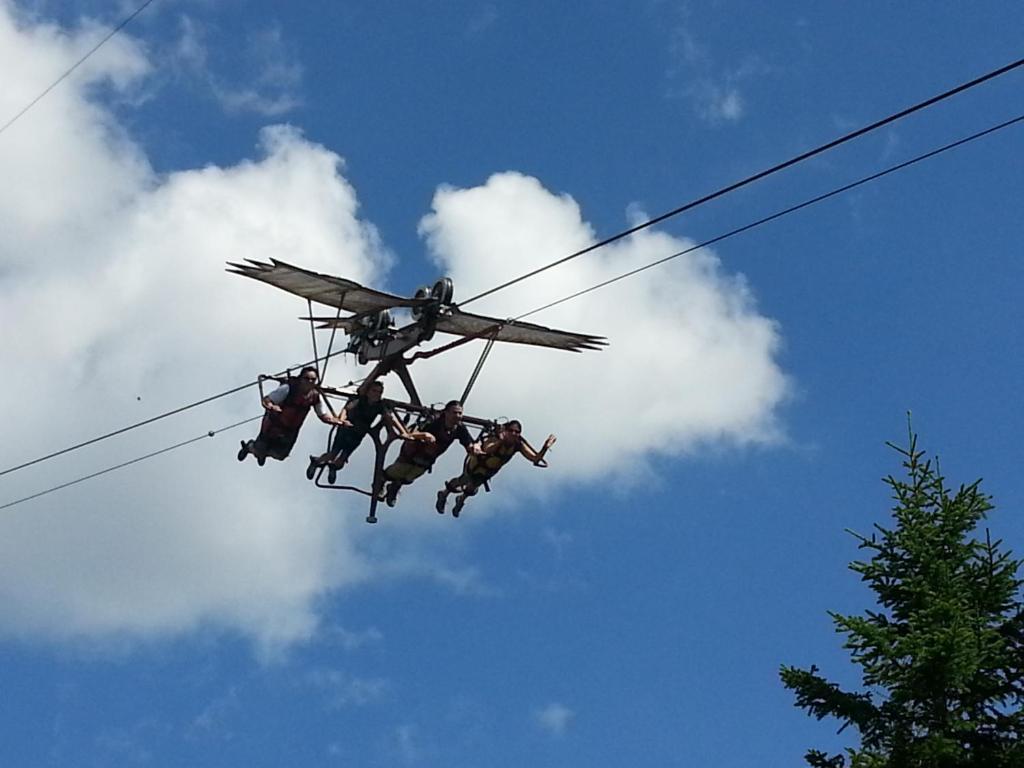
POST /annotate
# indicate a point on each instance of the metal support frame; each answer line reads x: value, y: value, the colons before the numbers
x: 334, y: 330
x: 400, y: 368
x: 400, y: 406
x: 382, y: 444
x: 394, y: 363
x: 479, y: 365
x: 452, y: 345
x: 312, y: 333
x: 380, y: 453
x: 381, y: 447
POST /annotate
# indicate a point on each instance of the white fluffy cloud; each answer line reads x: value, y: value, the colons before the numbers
x: 115, y: 306
x: 690, y: 360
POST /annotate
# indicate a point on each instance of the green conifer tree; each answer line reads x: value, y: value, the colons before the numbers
x: 942, y: 657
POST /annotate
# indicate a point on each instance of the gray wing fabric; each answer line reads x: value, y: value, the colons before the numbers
x: 324, y: 289
x: 517, y: 332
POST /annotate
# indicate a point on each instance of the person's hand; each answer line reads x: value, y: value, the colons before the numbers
x: 550, y: 441
x: 273, y: 407
x: 426, y: 437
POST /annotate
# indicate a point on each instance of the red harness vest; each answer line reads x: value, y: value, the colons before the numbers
x: 294, y: 408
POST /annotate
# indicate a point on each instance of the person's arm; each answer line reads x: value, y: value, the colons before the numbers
x: 403, y: 431
x: 422, y: 437
x: 272, y: 402
x: 490, y: 444
x: 537, y: 457
x: 396, y: 425
x: 472, y: 448
x: 342, y: 419
x: 325, y: 416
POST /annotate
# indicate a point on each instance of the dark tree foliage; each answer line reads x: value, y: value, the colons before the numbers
x: 942, y: 657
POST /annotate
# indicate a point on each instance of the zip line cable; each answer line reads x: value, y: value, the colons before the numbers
x: 704, y: 244
x: 757, y: 176
x: 143, y: 423
x: 651, y: 265
x: 784, y: 212
x: 649, y: 223
x: 124, y: 23
x: 211, y: 433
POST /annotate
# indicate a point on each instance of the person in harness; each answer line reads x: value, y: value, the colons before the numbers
x: 495, y: 453
x: 355, y: 422
x: 432, y: 440
x: 286, y: 408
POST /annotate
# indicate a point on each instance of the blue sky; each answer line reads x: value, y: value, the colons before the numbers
x: 632, y: 604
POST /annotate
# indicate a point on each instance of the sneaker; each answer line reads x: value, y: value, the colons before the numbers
x: 442, y: 499
x: 332, y: 473
x: 391, y: 498
x: 314, y: 465
x: 459, y: 502
x: 243, y: 451
x: 261, y: 460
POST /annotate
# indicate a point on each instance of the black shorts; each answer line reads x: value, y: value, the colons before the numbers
x: 275, y: 446
x: 346, y: 440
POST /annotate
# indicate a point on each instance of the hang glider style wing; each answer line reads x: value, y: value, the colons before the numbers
x: 517, y: 332
x: 333, y: 291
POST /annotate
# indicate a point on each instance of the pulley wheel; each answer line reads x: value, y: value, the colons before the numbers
x: 443, y: 290
x: 423, y: 292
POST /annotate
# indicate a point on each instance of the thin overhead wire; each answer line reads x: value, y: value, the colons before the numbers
x: 758, y: 176
x: 651, y: 222
x: 705, y: 244
x: 182, y: 444
x: 780, y: 214
x: 124, y: 23
x: 577, y: 294
x: 152, y: 419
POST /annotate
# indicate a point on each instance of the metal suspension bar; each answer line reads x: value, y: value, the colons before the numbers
x: 380, y: 447
x: 330, y: 344
x: 320, y: 372
x: 312, y: 333
x: 479, y: 365
x: 402, y: 371
x: 327, y: 357
x: 398, y: 405
x: 452, y: 345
